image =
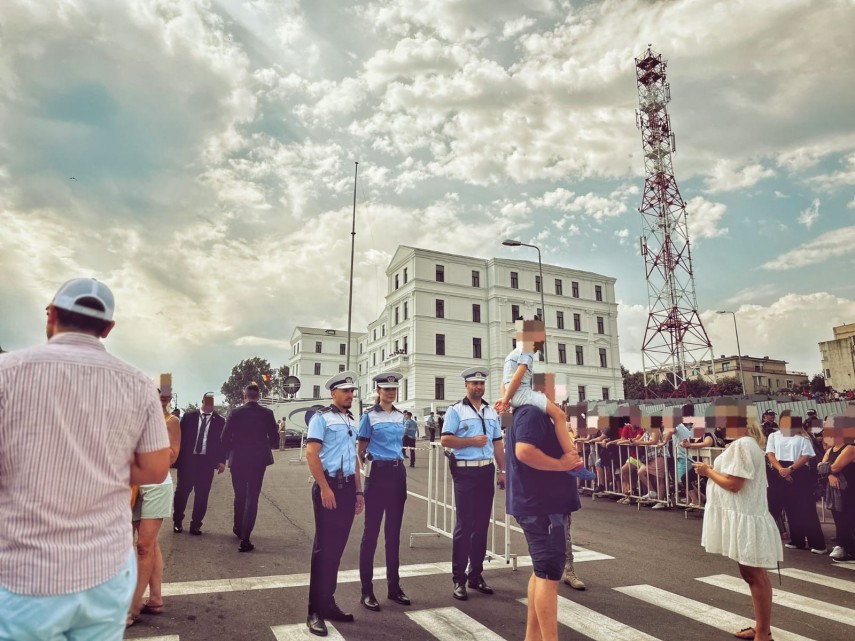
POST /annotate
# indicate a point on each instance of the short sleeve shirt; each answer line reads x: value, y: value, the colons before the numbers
x: 788, y: 448
x: 516, y: 358
x: 384, y: 432
x: 336, y: 432
x: 411, y: 429
x: 464, y: 421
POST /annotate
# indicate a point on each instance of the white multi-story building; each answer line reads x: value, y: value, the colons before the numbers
x: 445, y: 313
x: 317, y: 354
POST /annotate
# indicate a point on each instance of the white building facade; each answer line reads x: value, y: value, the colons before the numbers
x: 445, y: 313
x: 317, y: 354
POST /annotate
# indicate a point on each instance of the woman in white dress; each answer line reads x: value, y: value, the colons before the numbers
x: 737, y: 523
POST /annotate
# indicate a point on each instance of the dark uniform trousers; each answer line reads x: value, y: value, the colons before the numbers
x: 385, y: 492
x: 246, y: 481
x: 799, y: 505
x: 332, y: 528
x: 195, y: 475
x: 473, y: 494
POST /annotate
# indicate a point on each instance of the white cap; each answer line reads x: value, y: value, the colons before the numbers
x: 75, y: 290
x: 388, y: 379
x: 342, y: 380
x: 475, y: 375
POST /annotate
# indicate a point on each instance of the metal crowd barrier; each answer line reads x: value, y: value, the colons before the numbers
x: 622, y: 476
x: 441, y: 510
x: 690, y: 481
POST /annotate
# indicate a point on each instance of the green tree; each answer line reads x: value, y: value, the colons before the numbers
x: 191, y: 407
x: 253, y: 370
x: 729, y: 386
x: 817, y: 384
x: 633, y: 384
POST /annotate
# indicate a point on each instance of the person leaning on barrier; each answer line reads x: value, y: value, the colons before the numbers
x: 473, y: 432
x: 381, y: 434
x: 336, y: 497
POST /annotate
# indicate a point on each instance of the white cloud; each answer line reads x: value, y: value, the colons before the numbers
x: 704, y: 218
x: 725, y: 176
x: 837, y: 179
x: 833, y: 244
x: 513, y: 28
x: 810, y: 215
x: 596, y: 207
x: 260, y: 341
x: 851, y: 204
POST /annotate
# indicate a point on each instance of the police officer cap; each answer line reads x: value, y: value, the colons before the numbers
x: 342, y: 380
x: 388, y: 379
x: 475, y: 375
x: 771, y: 412
x: 811, y: 412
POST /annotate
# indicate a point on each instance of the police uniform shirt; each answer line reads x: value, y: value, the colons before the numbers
x: 788, y: 448
x: 516, y: 358
x: 384, y: 432
x: 336, y: 432
x: 465, y: 421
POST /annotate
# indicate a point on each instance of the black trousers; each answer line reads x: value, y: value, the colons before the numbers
x: 410, y: 443
x: 332, y: 528
x: 385, y: 493
x: 195, y: 475
x: 473, y: 495
x: 844, y: 523
x: 775, y: 496
x: 800, y: 507
x: 246, y: 482
x: 432, y: 432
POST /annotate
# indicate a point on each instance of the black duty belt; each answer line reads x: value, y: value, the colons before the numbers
x: 381, y: 464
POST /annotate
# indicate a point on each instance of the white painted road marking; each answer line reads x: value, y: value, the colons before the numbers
x: 594, y: 625
x: 450, y: 624
x: 300, y: 632
x: 820, y: 579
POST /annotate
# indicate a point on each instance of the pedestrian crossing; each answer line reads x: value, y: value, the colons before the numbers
x: 453, y: 624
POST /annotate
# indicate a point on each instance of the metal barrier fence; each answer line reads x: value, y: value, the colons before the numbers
x: 441, y: 510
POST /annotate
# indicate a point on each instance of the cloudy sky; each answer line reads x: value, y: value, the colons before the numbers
x: 213, y: 142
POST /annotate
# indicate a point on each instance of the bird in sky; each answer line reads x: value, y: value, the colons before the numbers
x: 73, y: 178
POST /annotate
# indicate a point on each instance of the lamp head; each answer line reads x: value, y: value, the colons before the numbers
x: 511, y: 243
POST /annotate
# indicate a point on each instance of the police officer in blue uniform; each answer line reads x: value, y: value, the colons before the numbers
x: 381, y: 434
x: 473, y: 432
x: 336, y: 497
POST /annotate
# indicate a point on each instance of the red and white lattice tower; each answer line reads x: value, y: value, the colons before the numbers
x: 675, y: 341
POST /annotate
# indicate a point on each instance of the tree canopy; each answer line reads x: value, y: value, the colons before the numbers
x: 253, y: 370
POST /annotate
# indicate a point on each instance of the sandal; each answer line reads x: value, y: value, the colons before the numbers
x: 132, y: 618
x: 152, y: 609
x: 745, y: 633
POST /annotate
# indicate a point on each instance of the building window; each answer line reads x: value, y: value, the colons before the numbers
x: 405, y: 344
x: 440, y: 308
x: 317, y: 369
x: 397, y: 284
x: 375, y: 334
x: 317, y: 348
x: 316, y: 391
x: 559, y: 287
x: 513, y: 343
x: 439, y: 389
x: 603, y: 359
x: 476, y: 278
x: 361, y: 347
x: 537, y: 283
x: 577, y: 322
x: 476, y: 348
x: 342, y: 349
x: 539, y: 314
x: 515, y: 280
x: 406, y: 310
x: 598, y: 292
x: 397, y: 315
x: 562, y: 353
x: 382, y: 354
x: 559, y: 319
x: 580, y: 355
x: 476, y: 313
x: 515, y: 313
x: 341, y: 367
x: 373, y: 358
x: 397, y: 349
x: 601, y: 325
x: 440, y: 273
x: 574, y: 287
x: 789, y: 384
x: 440, y: 344
x: 383, y: 329
x: 405, y: 275
x: 582, y: 393
x: 360, y: 368
x: 725, y: 366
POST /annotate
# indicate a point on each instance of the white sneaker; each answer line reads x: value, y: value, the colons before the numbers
x: 651, y: 495
x: 819, y: 551
x: 659, y: 506
x: 837, y: 552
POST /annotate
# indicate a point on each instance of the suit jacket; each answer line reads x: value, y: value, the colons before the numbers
x: 250, y: 433
x: 214, y: 454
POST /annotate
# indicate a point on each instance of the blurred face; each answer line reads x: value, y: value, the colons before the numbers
x: 475, y: 390
x: 343, y: 398
x: 387, y: 394
x: 164, y: 402
x: 207, y: 404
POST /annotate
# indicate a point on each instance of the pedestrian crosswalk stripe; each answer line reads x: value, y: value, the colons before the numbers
x: 450, y: 624
x: 820, y: 579
x: 300, y: 632
x: 712, y: 616
x: 787, y: 599
x: 168, y: 637
x: 594, y: 625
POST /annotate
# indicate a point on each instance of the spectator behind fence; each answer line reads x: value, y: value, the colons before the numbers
x: 631, y: 458
x: 737, y: 523
x: 838, y: 466
x: 67, y: 569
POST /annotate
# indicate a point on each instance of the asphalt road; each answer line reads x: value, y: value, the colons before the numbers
x: 647, y: 577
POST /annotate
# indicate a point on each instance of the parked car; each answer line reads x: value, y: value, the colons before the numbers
x: 293, y: 438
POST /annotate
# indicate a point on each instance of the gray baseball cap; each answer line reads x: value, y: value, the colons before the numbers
x: 74, y: 291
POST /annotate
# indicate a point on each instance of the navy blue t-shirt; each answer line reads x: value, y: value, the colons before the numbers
x: 532, y: 492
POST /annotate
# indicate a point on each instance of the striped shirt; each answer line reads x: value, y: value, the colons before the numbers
x: 71, y: 418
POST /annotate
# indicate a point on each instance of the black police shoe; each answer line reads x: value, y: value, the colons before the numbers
x: 177, y: 527
x: 195, y: 531
x: 369, y: 602
x: 460, y: 592
x: 334, y: 613
x: 246, y: 546
x: 316, y: 625
x: 481, y: 585
x: 397, y: 595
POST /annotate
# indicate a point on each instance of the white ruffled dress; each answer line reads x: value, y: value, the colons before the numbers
x: 738, y: 524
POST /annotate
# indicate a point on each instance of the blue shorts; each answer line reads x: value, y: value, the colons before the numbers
x: 96, y: 614
x: 546, y: 536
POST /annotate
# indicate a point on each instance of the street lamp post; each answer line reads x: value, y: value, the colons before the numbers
x: 738, y: 351
x: 516, y: 243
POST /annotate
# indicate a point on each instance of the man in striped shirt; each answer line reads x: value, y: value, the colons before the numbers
x: 77, y: 427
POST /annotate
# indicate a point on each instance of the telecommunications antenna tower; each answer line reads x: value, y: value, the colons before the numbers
x: 675, y: 341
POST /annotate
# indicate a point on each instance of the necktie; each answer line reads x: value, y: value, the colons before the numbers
x: 200, y: 439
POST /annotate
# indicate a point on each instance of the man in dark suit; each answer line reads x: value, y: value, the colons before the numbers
x: 201, y: 453
x: 250, y: 433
